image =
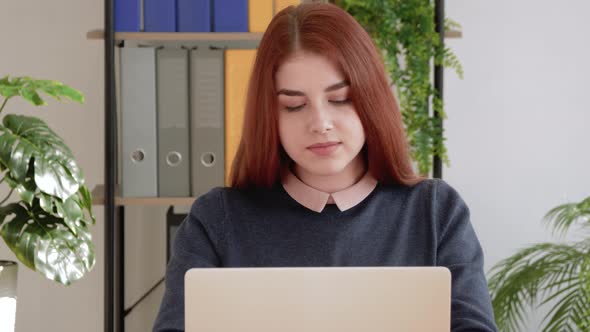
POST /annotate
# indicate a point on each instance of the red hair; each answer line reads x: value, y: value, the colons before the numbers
x: 327, y: 30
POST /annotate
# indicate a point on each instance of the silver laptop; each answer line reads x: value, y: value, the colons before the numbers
x: 367, y: 299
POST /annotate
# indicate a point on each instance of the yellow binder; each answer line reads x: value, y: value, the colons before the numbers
x: 282, y: 4
x: 259, y: 14
x: 238, y: 67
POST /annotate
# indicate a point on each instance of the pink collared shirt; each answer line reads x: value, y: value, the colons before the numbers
x: 316, y: 200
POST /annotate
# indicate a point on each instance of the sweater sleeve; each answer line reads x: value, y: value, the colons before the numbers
x: 460, y: 251
x: 195, y: 245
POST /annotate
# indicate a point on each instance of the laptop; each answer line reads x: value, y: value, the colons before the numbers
x: 318, y: 299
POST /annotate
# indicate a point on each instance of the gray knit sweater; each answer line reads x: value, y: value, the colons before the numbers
x: 424, y: 225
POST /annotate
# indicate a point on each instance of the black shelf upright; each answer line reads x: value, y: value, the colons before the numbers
x: 439, y: 18
x: 113, y: 230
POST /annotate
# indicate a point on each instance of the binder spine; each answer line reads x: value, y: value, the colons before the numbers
x: 127, y: 15
x: 260, y: 14
x: 238, y: 67
x: 193, y: 16
x: 230, y: 15
x: 159, y: 15
x: 282, y: 4
x: 138, y: 120
x: 207, y: 120
x: 173, y: 123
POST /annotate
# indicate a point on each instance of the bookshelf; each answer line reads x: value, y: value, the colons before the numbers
x: 108, y: 194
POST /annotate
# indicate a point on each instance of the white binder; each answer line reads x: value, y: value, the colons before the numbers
x: 173, y: 123
x: 139, y: 176
x: 207, y: 120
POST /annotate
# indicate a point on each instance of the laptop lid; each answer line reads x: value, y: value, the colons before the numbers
x: 371, y: 299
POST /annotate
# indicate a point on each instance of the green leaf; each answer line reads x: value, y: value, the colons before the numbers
x: 49, y: 88
x: 70, y: 211
x: 9, y: 91
x: 27, y: 188
x: 57, y: 175
x: 46, y: 203
x: 29, y: 89
x: 71, y: 93
x: 24, y: 248
x: 11, y: 155
x: 26, y: 138
x: 85, y: 202
x: 562, y: 217
x: 42, y: 242
x: 57, y: 90
x: 25, y: 194
x: 30, y: 94
x: 11, y: 182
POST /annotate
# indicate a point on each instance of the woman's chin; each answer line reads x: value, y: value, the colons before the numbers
x: 325, y: 168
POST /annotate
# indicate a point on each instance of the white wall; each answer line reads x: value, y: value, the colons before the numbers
x: 519, y: 123
x: 517, y: 134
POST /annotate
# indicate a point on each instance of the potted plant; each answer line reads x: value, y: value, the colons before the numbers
x: 404, y: 30
x: 47, y: 229
x: 554, y: 275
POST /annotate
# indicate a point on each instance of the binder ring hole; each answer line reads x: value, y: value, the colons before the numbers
x: 173, y: 158
x: 208, y: 159
x: 137, y: 156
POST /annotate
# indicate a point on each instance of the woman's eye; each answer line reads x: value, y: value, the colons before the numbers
x: 295, y: 108
x: 340, y: 102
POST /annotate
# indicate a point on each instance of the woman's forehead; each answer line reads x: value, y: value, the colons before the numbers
x: 307, y: 70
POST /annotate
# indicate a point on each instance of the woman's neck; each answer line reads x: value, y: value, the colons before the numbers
x: 332, y: 183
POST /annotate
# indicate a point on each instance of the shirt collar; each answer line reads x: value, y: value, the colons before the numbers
x: 316, y: 200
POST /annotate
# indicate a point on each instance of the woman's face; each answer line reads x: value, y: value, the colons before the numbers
x: 318, y: 125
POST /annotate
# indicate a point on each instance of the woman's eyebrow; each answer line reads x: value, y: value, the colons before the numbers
x: 333, y: 87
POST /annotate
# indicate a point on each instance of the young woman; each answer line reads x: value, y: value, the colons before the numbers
x: 322, y: 176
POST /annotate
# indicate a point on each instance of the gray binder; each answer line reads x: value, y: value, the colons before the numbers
x: 139, y: 176
x: 207, y: 120
x: 173, y: 123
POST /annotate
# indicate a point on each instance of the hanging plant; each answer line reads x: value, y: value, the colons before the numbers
x: 404, y: 30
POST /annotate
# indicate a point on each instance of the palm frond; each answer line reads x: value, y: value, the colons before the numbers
x: 533, y: 274
x: 570, y: 311
x: 563, y: 216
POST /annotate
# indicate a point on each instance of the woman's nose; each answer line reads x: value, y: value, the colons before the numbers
x: 320, y: 121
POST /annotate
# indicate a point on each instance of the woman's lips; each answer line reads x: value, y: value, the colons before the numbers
x: 324, y: 149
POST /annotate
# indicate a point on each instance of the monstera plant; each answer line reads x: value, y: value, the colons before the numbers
x: 47, y: 226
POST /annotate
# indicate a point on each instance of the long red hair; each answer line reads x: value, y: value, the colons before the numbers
x: 327, y: 30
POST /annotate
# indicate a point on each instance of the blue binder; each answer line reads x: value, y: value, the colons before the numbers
x: 159, y: 15
x: 127, y: 15
x: 230, y: 15
x: 193, y: 16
